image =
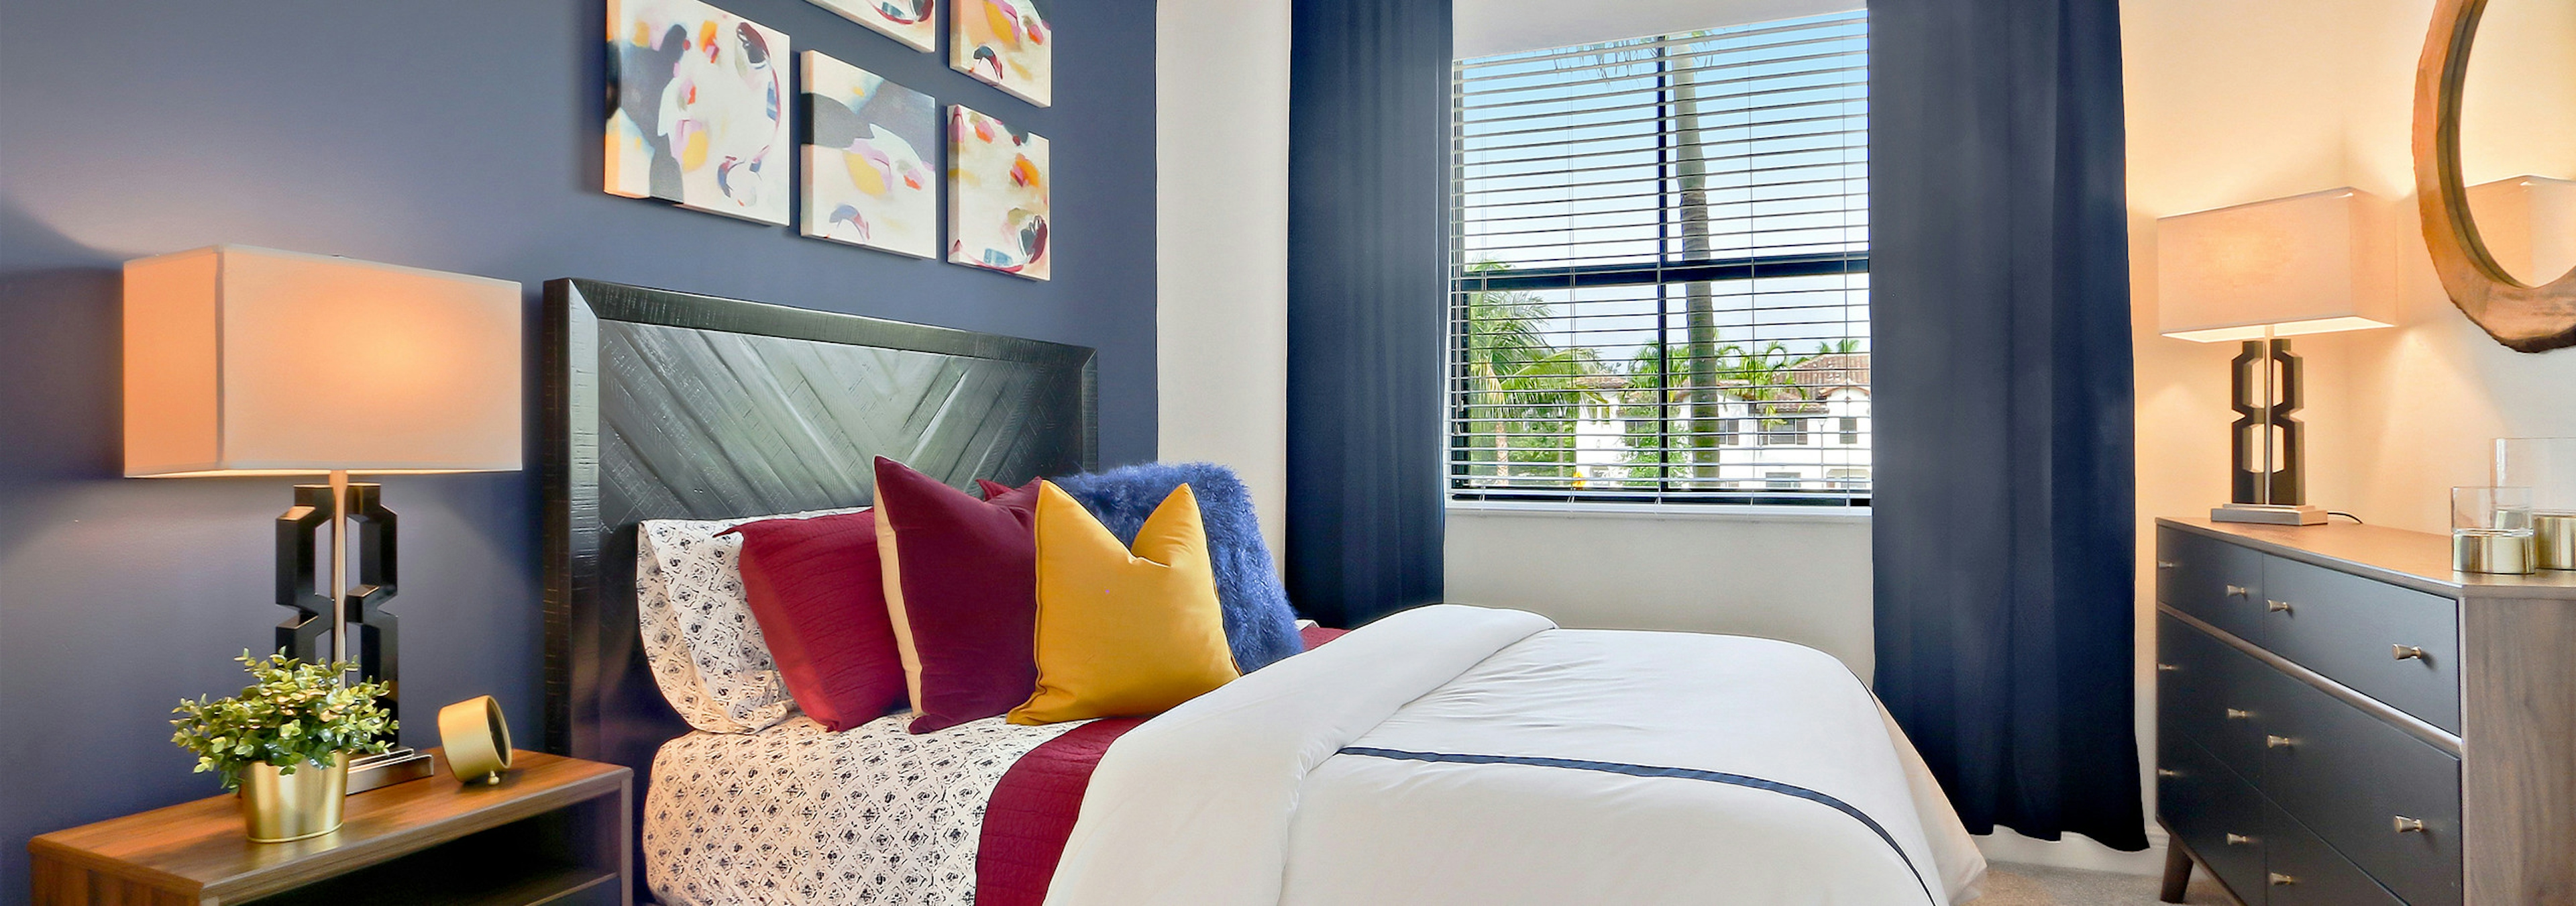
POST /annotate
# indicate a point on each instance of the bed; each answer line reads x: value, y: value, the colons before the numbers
x: 1444, y: 755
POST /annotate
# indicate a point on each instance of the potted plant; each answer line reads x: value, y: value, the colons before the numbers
x: 284, y: 742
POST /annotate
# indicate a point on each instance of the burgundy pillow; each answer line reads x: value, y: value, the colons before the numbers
x: 961, y: 587
x: 816, y: 589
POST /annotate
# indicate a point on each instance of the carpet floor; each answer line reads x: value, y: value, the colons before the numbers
x: 2009, y: 884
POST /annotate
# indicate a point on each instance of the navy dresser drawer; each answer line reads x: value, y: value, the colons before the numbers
x: 2206, y: 691
x: 2397, y: 645
x: 2215, y: 814
x: 2301, y: 870
x: 2386, y: 800
x: 2218, y: 582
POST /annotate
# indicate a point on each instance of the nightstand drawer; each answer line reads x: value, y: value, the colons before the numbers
x: 2213, y: 812
x: 2393, y: 644
x: 2218, y: 582
x: 2301, y: 870
x: 2205, y: 691
x: 2389, y: 802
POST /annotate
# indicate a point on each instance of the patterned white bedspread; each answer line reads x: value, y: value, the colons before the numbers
x: 796, y: 814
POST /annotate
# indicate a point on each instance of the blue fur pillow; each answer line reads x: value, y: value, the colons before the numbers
x: 1259, y: 624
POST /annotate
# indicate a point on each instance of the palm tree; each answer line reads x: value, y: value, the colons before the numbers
x: 1519, y: 384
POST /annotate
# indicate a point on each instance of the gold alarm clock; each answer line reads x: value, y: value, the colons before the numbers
x: 477, y: 740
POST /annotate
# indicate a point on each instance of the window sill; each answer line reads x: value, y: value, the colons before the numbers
x: 1718, y: 512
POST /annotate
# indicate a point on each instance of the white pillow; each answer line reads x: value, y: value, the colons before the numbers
x: 699, y: 636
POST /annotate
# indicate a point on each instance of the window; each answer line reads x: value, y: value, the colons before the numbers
x: 1660, y: 269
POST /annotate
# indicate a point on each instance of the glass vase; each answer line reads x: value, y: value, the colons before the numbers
x: 2546, y: 465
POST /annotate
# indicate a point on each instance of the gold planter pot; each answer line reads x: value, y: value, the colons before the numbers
x: 280, y: 807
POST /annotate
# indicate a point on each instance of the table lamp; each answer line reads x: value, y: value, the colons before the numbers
x: 244, y: 361
x: 2262, y: 273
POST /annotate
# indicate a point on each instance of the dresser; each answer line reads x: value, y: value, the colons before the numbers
x: 2342, y: 720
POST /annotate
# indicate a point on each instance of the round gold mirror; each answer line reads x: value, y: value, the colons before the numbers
x: 2495, y: 148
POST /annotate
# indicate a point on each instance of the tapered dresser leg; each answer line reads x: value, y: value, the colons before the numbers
x: 2177, y: 874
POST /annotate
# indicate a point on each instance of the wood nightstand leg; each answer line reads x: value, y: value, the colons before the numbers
x: 2177, y: 873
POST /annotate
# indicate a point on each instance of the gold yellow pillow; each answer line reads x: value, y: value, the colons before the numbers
x: 1123, y: 633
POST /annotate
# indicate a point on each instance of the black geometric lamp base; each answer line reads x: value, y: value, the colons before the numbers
x: 353, y: 512
x: 2268, y: 444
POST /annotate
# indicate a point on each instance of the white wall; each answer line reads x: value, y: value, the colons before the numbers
x: 1221, y: 80
x: 2232, y: 102
x: 1803, y: 578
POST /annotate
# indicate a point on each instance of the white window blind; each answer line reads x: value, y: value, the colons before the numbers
x: 1660, y: 269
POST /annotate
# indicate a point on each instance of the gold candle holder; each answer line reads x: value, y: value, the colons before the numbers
x: 2499, y: 553
x: 2554, y: 537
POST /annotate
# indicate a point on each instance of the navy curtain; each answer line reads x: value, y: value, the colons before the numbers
x: 2005, y: 500
x: 1367, y: 301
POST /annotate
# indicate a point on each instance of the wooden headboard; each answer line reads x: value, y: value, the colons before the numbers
x: 664, y: 405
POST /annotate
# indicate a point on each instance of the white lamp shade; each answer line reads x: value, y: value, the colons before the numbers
x: 2528, y: 224
x: 2313, y: 263
x: 249, y: 361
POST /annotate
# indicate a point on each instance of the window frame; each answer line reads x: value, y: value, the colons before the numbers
x: 1671, y: 273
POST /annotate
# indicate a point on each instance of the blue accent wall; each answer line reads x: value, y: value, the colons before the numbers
x: 459, y: 135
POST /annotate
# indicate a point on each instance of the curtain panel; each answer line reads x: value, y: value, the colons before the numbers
x: 1368, y: 252
x: 2005, y: 521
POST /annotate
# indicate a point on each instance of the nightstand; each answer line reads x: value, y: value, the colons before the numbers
x: 554, y: 831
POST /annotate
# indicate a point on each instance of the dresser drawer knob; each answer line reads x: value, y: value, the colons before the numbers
x: 2277, y: 742
x: 2407, y: 653
x: 2239, y: 591
x: 2239, y: 714
x: 2282, y: 880
x: 2164, y: 564
x: 2277, y: 606
x: 2239, y: 840
x: 2166, y: 668
x: 2168, y: 773
x: 2406, y: 825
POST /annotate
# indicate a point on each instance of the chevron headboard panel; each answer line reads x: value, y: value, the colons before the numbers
x: 669, y: 405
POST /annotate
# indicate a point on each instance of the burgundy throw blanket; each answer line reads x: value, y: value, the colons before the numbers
x: 1032, y: 811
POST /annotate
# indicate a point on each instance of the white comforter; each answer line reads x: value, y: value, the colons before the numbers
x: 1460, y: 755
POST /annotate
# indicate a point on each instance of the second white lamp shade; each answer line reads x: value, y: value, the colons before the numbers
x: 249, y: 361
x: 2313, y: 263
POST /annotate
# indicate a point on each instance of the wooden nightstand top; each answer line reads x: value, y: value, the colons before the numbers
x: 199, y: 847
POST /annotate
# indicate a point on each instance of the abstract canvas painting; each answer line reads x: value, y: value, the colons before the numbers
x: 870, y: 174
x: 908, y: 21
x: 998, y: 216
x: 697, y: 109
x: 1008, y: 43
